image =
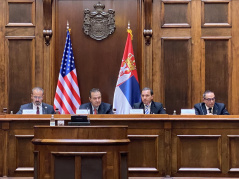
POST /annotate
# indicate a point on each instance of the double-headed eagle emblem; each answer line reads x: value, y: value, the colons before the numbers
x: 99, y: 24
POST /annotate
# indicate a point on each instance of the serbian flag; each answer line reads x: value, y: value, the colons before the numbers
x: 127, y: 91
x: 67, y: 98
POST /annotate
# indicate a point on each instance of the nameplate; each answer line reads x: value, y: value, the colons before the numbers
x: 29, y: 111
x: 83, y: 111
x: 187, y: 111
x: 136, y: 111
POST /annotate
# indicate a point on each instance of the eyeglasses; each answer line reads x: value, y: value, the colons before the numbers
x: 37, y: 97
x: 210, y: 99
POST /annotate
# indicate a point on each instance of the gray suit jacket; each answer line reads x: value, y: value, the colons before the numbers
x: 46, y: 108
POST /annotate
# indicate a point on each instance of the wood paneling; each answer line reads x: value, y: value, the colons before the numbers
x: 90, y: 153
x: 233, y: 154
x: 176, y: 14
x: 216, y: 13
x: 178, y: 146
x: 194, y: 152
x: 177, y: 74
x: 216, y: 68
x: 23, y: 161
x: 64, y: 166
x: 97, y: 62
x: 21, y: 61
x: 2, y: 139
x: 20, y: 13
x: 140, y: 146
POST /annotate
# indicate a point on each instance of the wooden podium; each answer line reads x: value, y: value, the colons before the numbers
x: 80, y: 152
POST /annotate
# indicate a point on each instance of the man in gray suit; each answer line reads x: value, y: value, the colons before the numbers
x: 37, y: 104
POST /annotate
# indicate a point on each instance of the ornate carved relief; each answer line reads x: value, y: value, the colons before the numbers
x: 99, y: 24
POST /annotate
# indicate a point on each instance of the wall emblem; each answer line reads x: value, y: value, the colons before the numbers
x: 99, y: 24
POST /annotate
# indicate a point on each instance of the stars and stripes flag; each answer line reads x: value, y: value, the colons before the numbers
x: 67, y: 98
x: 127, y: 91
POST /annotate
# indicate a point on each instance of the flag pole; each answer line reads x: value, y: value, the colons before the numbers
x: 67, y: 25
x: 130, y: 31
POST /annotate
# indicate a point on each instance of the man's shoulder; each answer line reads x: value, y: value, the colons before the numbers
x: 156, y: 103
x: 26, y: 105
x: 105, y: 104
x: 219, y: 104
x: 197, y: 105
x: 48, y: 105
x: 84, y: 105
x: 138, y: 104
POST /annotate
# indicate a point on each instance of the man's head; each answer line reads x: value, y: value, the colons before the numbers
x: 95, y: 97
x: 147, y: 95
x: 209, y: 98
x: 37, y: 95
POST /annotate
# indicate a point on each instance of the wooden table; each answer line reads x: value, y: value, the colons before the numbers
x: 160, y: 145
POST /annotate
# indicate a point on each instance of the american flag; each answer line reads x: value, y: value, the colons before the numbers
x: 67, y: 98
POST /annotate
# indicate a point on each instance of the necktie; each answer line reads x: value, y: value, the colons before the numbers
x: 38, y: 111
x: 146, y: 109
x: 95, y: 111
x: 210, y: 110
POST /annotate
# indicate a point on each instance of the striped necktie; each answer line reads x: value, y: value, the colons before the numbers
x: 95, y: 111
x: 146, y: 109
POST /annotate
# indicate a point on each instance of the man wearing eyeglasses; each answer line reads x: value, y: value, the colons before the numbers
x: 37, y: 104
x: 209, y: 106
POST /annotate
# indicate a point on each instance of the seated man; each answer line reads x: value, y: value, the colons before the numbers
x: 149, y: 106
x: 209, y: 106
x: 96, y: 106
x: 37, y: 104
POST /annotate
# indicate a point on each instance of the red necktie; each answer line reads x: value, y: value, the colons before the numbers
x: 95, y: 111
x: 38, y: 111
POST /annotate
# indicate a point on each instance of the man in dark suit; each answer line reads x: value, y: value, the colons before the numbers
x: 96, y: 106
x: 149, y: 106
x: 209, y: 106
x: 37, y: 104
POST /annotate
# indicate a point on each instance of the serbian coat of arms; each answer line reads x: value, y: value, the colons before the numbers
x: 99, y: 24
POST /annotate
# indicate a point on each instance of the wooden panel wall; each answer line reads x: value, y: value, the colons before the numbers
x: 20, y: 65
x: 193, y: 47
x: 181, y: 81
x: 97, y: 62
x: 22, y: 52
x: 177, y: 73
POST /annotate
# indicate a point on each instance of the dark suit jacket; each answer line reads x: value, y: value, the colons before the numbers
x: 46, y: 108
x: 156, y: 108
x: 104, y: 108
x: 219, y: 109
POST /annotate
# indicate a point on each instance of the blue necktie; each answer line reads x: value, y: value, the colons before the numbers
x: 146, y: 109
